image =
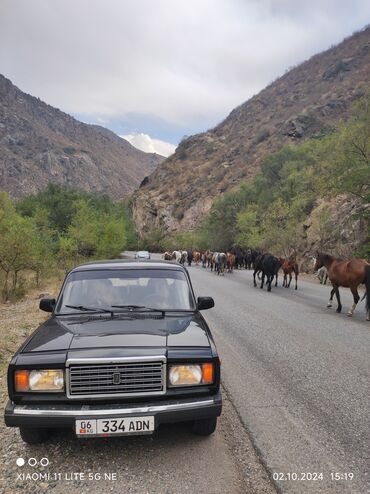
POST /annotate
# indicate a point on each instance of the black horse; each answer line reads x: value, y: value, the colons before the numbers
x: 268, y: 265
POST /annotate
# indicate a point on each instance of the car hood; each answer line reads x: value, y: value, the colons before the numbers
x: 74, y: 333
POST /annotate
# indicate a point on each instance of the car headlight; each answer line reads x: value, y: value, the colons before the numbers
x: 50, y: 380
x: 191, y: 374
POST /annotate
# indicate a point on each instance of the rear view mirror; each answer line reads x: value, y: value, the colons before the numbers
x: 205, y: 303
x: 47, y: 304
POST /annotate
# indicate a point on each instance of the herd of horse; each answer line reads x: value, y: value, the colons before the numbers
x: 341, y: 272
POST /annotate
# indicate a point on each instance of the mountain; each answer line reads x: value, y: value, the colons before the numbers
x: 307, y: 102
x: 41, y: 144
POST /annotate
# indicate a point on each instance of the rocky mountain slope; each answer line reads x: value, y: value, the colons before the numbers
x: 307, y: 102
x: 41, y: 144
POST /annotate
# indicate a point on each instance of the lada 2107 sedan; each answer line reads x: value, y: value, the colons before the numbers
x: 125, y: 350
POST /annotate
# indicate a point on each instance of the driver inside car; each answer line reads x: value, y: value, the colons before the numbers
x: 157, y: 293
x: 101, y: 294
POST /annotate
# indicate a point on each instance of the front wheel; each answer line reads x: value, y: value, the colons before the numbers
x: 34, y: 435
x: 205, y: 427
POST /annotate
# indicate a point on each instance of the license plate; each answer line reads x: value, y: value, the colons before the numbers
x: 114, y: 426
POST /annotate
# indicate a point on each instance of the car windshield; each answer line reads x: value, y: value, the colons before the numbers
x: 164, y: 289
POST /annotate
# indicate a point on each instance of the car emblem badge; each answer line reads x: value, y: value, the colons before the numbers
x: 116, y: 378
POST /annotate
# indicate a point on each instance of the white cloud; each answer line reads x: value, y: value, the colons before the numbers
x: 150, y: 145
x: 183, y: 62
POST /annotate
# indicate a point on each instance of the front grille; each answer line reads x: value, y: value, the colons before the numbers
x: 124, y: 379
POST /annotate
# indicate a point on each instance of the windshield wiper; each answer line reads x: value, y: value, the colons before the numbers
x: 132, y: 308
x: 138, y: 307
x: 90, y: 309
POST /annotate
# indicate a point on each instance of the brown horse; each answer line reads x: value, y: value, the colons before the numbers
x: 196, y: 257
x: 230, y: 262
x: 349, y: 274
x: 289, y: 266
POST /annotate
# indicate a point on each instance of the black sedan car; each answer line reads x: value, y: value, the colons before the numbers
x: 125, y: 350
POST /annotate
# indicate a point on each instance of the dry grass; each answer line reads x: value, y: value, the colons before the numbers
x: 20, y: 319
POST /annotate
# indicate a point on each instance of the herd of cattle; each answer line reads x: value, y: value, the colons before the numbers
x: 266, y: 266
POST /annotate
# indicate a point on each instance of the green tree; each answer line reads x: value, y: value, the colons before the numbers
x: 67, y: 252
x: 249, y: 235
x: 112, y: 239
x: 84, y: 228
x: 18, y: 240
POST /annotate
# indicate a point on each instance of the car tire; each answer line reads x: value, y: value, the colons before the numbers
x: 205, y: 427
x: 34, y: 435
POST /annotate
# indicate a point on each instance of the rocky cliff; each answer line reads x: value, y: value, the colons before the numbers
x: 41, y: 144
x: 307, y: 102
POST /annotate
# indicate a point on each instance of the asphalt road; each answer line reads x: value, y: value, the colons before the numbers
x: 298, y: 375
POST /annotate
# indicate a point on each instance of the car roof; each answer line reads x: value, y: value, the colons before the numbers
x: 128, y: 264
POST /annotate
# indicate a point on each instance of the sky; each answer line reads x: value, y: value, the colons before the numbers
x: 154, y: 71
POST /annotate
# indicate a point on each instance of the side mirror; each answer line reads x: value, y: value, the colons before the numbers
x: 47, y: 304
x: 205, y: 303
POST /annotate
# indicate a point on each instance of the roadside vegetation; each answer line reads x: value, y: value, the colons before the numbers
x: 54, y: 230
x: 270, y: 211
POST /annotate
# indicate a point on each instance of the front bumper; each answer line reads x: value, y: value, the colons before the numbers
x: 66, y: 415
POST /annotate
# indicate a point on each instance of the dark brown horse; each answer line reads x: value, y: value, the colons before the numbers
x: 230, y: 262
x: 289, y: 266
x: 349, y: 274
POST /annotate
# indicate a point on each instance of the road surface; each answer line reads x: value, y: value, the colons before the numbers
x: 298, y: 375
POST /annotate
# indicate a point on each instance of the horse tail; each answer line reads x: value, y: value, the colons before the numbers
x: 367, y: 285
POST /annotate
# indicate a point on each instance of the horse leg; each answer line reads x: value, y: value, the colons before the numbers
x: 254, y: 278
x: 330, y: 303
x: 339, y: 308
x: 273, y: 279
x: 356, y: 298
x: 270, y: 279
x: 296, y: 280
x: 263, y: 279
x: 290, y: 279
